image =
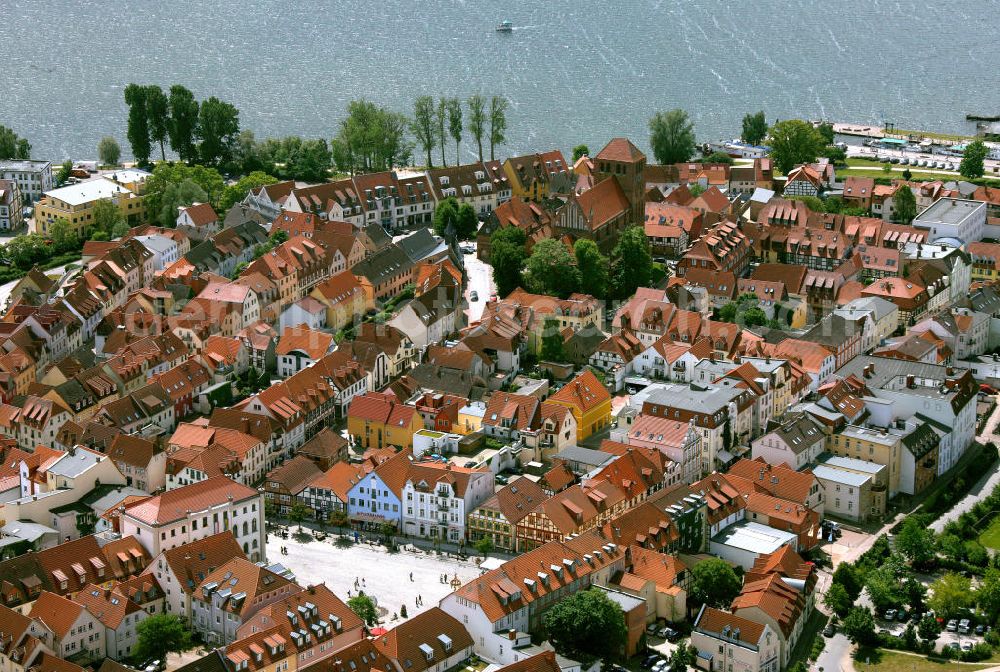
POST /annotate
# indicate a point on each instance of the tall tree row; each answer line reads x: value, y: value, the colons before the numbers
x: 205, y: 132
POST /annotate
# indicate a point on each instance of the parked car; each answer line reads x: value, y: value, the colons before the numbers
x: 967, y: 645
x: 890, y: 615
x: 473, y: 295
x: 963, y: 626
x: 672, y: 635
x: 901, y: 615
x: 651, y: 630
x: 830, y: 630
x: 653, y: 659
x: 952, y: 645
x: 980, y: 629
x: 952, y: 625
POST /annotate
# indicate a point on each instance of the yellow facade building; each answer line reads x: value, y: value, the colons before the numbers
x: 75, y: 203
x: 589, y: 402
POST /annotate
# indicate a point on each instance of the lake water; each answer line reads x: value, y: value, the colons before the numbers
x: 576, y: 71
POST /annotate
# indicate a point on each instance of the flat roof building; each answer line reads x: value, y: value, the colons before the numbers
x: 742, y: 543
x: 958, y: 218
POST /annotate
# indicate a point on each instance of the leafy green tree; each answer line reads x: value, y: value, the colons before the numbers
x: 218, y: 126
x: 696, y: 189
x: 310, y: 162
x: 26, y: 250
x: 339, y: 519
x: 885, y: 583
x: 951, y: 546
x: 719, y: 157
x: 159, y: 635
x: 754, y: 128
x: 138, y: 122
x: 915, y: 541
x: 850, y: 578
x: 158, y: 113
x: 825, y: 131
x: 446, y: 216
x: 837, y: 600
x: 234, y: 193
x: 593, y: 268
x: 364, y: 607
x: 586, y: 625
x: 988, y: 594
x: 63, y: 236
x: 498, y: 123
x: 477, y: 120
x: 580, y: 150
x: 682, y: 658
x: 507, y: 256
x: 929, y: 629
x: 248, y: 156
x: 859, y: 626
x: 108, y: 151
x: 164, y: 174
x: 728, y: 312
x: 552, y: 342
x: 713, y: 582
x: 441, y: 126
x: 298, y: 513
x: 671, y: 135
x: 631, y: 262
x: 388, y: 531
x: 423, y: 126
x: 65, y: 170
x: 12, y: 146
x: 552, y: 270
x: 794, y: 142
x: 973, y: 160
x: 454, y: 108
x: 950, y: 594
x: 754, y: 317
x: 370, y: 139
x: 183, y: 127
x: 484, y: 546
x: 177, y: 196
x: 815, y: 204
x: 468, y: 222
x: 108, y: 217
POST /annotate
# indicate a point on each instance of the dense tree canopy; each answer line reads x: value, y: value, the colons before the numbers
x: 631, y: 262
x: 671, y: 135
x: 159, y: 635
x: 370, y: 139
x: 950, y: 594
x: 218, y: 127
x: 364, y: 607
x: 593, y: 267
x: 108, y: 151
x: 183, y: 126
x: 714, y: 583
x: 507, y: 256
x: 423, y: 126
x: 138, y: 122
x: 586, y: 625
x: 498, y: 123
x: 794, y: 142
x: 754, y: 128
x: 12, y: 146
x: 859, y: 626
x: 973, y: 160
x: 551, y: 269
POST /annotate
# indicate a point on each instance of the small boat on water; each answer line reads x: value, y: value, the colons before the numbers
x: 505, y: 26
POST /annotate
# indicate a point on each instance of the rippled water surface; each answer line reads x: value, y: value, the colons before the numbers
x: 575, y: 70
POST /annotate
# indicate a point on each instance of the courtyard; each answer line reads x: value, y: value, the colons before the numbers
x: 385, y: 575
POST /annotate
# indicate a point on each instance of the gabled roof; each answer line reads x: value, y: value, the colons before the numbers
x: 192, y: 562
x: 620, y: 149
x: 424, y: 641
x: 177, y: 504
x: 584, y: 392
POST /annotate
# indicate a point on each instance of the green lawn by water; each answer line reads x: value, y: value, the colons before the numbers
x: 990, y: 538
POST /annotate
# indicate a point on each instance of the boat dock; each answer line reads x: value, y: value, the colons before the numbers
x: 858, y: 130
